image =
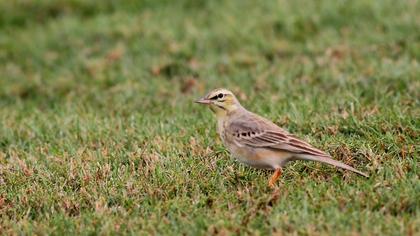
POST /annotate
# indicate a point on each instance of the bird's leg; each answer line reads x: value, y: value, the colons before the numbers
x: 274, y: 177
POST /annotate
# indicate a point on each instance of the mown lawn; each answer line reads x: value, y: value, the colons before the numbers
x: 99, y: 133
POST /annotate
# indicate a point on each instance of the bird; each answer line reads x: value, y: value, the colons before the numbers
x: 257, y: 141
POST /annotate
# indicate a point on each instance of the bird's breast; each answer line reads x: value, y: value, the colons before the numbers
x: 221, y: 130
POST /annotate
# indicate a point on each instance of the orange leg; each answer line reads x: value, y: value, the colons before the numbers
x: 274, y: 178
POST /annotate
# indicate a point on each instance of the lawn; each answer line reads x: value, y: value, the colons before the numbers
x: 99, y: 133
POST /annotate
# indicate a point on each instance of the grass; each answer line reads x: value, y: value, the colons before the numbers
x: 99, y: 135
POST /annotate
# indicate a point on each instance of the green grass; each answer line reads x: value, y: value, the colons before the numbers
x: 99, y: 134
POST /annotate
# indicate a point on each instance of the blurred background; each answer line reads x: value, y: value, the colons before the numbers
x: 99, y: 133
x: 56, y: 50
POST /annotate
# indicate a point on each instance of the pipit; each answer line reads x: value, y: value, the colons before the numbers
x: 258, y: 142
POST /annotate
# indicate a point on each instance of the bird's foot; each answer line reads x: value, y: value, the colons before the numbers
x: 274, y: 178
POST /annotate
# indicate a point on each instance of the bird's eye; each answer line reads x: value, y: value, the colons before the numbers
x: 220, y: 95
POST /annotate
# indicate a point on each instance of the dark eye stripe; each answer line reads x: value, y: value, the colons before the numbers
x: 218, y: 96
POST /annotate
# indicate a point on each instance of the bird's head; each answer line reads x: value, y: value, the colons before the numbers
x: 221, y: 101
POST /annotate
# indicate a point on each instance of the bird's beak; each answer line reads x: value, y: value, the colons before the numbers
x: 203, y: 101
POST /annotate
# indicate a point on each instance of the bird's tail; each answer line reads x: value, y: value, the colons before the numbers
x: 329, y: 160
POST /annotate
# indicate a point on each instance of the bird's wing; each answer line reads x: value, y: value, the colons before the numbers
x: 257, y: 132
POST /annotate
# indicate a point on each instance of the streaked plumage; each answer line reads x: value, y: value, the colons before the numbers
x: 258, y: 142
